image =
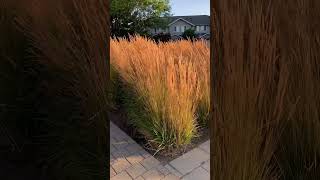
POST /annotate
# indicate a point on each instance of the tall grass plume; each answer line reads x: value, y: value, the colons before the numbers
x: 167, y: 81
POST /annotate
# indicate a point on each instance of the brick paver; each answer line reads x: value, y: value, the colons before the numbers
x: 206, y: 166
x: 198, y: 173
x: 189, y: 161
x: 205, y: 146
x: 121, y: 176
x: 171, y: 177
x: 112, y: 172
x: 129, y: 161
x: 150, y: 162
x: 136, y: 170
x: 120, y: 165
x: 173, y: 170
x: 139, y: 178
x: 153, y: 174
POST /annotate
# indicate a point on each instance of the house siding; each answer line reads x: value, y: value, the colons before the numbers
x: 207, y: 29
x: 178, y: 24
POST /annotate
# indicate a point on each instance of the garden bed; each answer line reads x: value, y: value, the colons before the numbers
x: 161, y: 93
x: 119, y: 118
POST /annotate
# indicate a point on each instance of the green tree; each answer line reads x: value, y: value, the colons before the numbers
x: 189, y: 34
x: 136, y: 16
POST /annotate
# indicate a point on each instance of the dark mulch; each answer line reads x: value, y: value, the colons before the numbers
x: 119, y: 118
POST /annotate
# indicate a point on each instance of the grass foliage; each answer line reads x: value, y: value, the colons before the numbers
x: 165, y: 88
x: 54, y: 87
x: 265, y: 90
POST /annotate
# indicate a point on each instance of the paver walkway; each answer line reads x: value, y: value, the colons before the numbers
x: 129, y: 161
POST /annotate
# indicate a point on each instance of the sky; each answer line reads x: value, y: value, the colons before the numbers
x: 190, y: 7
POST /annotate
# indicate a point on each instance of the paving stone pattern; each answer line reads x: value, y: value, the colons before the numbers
x: 129, y: 161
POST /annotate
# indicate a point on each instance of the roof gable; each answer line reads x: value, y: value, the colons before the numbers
x: 195, y: 20
x: 181, y: 19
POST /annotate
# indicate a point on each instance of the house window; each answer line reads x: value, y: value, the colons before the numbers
x: 205, y: 28
x: 197, y: 28
x: 175, y: 29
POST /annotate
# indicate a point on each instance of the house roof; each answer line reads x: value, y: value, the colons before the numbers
x: 173, y: 21
x: 196, y: 19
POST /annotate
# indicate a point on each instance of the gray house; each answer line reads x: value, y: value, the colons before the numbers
x: 178, y: 24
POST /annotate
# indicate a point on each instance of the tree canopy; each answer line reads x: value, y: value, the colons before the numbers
x: 136, y: 16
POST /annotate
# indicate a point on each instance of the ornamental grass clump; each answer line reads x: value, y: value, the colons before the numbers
x: 163, y: 86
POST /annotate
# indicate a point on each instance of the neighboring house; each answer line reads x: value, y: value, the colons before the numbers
x: 178, y: 24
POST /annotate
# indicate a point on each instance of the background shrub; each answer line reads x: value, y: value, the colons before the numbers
x: 189, y: 34
x: 162, y: 37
